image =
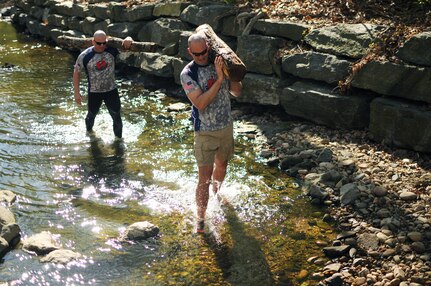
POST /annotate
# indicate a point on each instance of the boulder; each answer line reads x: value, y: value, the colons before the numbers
x: 4, y: 246
x: 350, y: 40
x: 61, y: 256
x: 11, y: 233
x: 41, y: 243
x: 6, y: 217
x: 284, y: 29
x: 317, y: 66
x: 121, y: 30
x: 170, y: 9
x: 395, y: 122
x: 99, y: 10
x: 210, y: 14
x: 7, y: 196
x: 258, y: 53
x: 398, y: 80
x: 65, y: 8
x: 140, y: 13
x: 141, y: 230
x: 416, y: 49
x: 320, y: 104
x: 165, y: 31
x: 261, y: 89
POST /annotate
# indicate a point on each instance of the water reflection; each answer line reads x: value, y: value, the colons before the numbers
x: 107, y: 163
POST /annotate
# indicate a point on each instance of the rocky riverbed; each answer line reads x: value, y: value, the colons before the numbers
x: 376, y: 196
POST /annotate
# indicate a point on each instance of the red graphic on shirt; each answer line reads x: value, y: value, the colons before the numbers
x: 210, y: 82
x: 101, y: 65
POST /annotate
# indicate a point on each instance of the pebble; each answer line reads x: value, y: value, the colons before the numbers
x: 386, y: 223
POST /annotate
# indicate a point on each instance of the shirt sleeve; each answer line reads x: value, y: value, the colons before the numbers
x: 79, y: 64
x: 188, y: 83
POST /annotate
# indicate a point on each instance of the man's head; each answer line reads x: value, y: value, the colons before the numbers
x: 198, y: 48
x: 99, y: 40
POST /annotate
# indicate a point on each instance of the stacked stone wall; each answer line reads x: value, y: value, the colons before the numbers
x: 391, y: 99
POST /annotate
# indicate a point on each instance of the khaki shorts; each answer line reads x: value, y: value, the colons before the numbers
x: 209, y: 144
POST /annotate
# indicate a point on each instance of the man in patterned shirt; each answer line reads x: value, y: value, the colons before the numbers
x: 209, y: 91
x: 98, y: 62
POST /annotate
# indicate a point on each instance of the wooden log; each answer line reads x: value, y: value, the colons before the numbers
x: 234, y: 68
x: 75, y: 43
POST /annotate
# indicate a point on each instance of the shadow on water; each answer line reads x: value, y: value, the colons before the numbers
x: 240, y: 257
x: 107, y: 162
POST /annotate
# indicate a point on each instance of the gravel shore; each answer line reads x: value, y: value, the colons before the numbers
x: 378, y: 197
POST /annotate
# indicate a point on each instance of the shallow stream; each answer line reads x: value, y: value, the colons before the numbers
x: 86, y: 190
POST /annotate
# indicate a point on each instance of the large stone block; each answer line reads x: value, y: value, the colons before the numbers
x: 261, y: 89
x: 400, y: 123
x: 210, y: 15
x: 63, y: 8
x: 320, y: 104
x: 388, y: 78
x: 276, y: 28
x: 57, y: 20
x: 80, y: 10
x: 351, y: 40
x: 166, y: 31
x: 258, y: 53
x: 100, y: 11
x: 170, y: 9
x: 88, y: 25
x: 75, y: 23
x: 416, y: 50
x: 122, y: 30
x: 140, y: 13
x: 144, y: 34
x: 317, y: 66
x: 118, y: 12
x: 231, y: 27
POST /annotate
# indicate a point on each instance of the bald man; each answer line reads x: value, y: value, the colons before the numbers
x: 209, y: 91
x: 98, y: 62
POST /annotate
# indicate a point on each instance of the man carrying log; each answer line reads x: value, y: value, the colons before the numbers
x: 98, y: 62
x: 209, y: 91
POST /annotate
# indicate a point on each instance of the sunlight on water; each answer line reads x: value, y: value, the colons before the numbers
x: 87, y: 189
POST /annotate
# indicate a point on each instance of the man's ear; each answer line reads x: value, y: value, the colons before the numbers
x: 190, y: 53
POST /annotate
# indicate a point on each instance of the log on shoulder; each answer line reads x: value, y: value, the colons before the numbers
x: 75, y: 43
x: 234, y: 69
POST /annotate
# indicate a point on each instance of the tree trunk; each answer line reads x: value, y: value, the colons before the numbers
x: 234, y: 68
x: 75, y: 43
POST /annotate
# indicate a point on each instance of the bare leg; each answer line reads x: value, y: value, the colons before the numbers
x: 219, y: 174
x: 202, y: 190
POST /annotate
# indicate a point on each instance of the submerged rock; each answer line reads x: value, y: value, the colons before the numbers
x: 61, y: 256
x: 7, y: 196
x: 41, y: 243
x: 140, y: 230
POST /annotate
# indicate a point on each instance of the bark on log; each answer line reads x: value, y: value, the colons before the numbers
x: 75, y: 43
x: 234, y: 69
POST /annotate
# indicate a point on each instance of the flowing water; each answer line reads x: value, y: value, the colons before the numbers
x: 86, y: 190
